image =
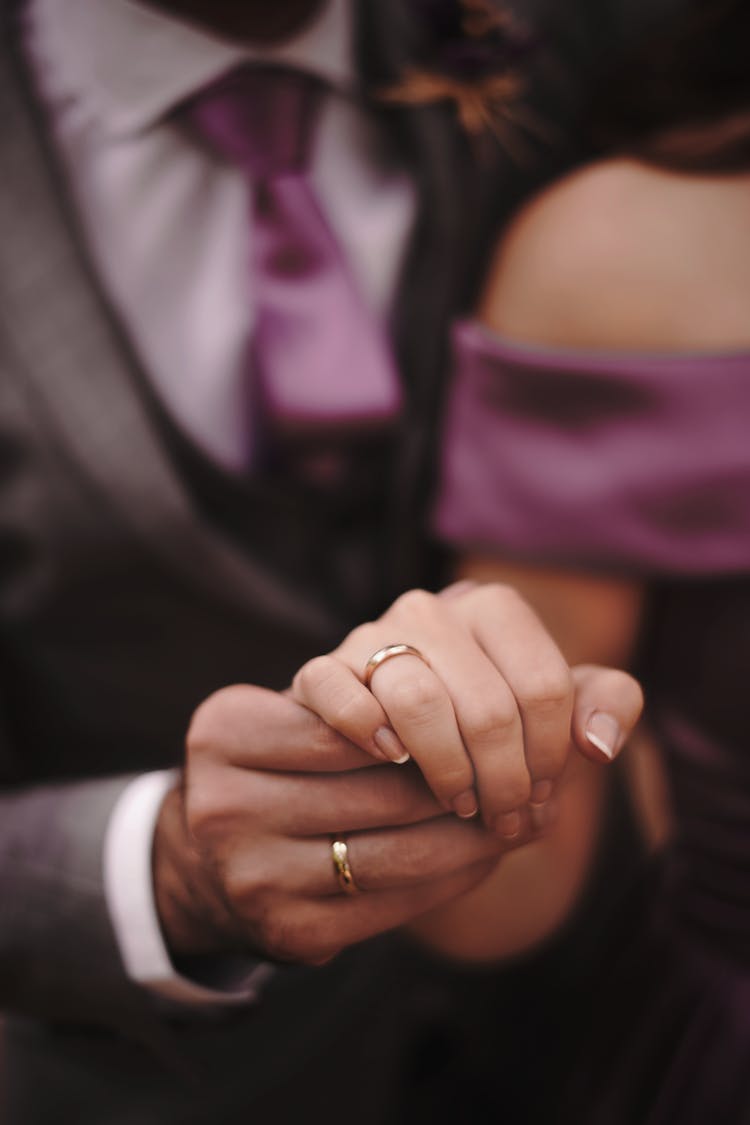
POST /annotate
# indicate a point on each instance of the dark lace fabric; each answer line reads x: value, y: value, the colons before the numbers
x: 639, y: 465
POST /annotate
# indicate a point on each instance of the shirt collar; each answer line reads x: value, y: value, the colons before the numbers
x: 128, y: 65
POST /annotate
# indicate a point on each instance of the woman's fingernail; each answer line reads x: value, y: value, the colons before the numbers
x: 465, y: 804
x: 391, y: 745
x: 508, y: 825
x: 541, y: 791
x: 603, y: 732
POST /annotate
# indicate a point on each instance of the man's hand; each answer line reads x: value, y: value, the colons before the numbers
x: 242, y: 857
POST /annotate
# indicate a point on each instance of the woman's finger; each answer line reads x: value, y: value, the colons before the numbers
x: 608, y: 704
x: 453, y: 711
x: 405, y: 711
x: 330, y: 688
x: 420, y: 710
x: 535, y: 670
x: 490, y: 726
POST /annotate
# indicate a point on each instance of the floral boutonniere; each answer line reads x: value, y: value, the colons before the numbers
x: 472, y: 54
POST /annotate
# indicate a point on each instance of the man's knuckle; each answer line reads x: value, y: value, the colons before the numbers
x: 236, y: 889
x: 205, y: 809
x: 201, y: 732
x: 252, y: 885
x: 412, y: 856
x: 203, y: 820
x: 277, y: 935
x: 214, y: 723
x: 303, y: 942
x: 314, y: 945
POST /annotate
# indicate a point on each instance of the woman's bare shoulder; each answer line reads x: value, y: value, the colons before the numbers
x: 622, y: 255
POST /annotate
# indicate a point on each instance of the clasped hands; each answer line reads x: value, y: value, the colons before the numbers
x: 488, y: 714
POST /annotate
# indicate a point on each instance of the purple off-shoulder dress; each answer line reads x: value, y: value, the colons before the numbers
x: 639, y: 465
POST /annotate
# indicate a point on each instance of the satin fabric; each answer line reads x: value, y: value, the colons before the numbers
x: 640, y: 464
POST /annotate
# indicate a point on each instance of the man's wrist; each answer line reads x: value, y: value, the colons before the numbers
x: 192, y: 916
x: 189, y: 918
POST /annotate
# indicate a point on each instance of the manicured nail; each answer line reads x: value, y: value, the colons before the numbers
x: 541, y: 791
x: 543, y: 816
x: 603, y: 732
x: 508, y: 825
x: 465, y: 804
x: 391, y: 745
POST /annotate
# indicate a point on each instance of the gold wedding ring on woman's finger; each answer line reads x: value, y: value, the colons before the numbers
x: 387, y: 653
x: 342, y: 867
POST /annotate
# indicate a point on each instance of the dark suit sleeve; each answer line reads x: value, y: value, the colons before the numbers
x: 58, y: 952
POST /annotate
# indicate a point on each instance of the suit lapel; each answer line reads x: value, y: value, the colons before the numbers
x: 71, y: 353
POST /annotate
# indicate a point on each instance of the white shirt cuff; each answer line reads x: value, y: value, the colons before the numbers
x: 129, y: 890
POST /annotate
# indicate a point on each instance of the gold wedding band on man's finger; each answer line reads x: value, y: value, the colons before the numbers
x: 342, y: 867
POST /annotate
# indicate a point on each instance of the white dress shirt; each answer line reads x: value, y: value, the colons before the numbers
x: 168, y: 230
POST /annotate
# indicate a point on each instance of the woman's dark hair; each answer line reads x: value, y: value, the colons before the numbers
x: 678, y: 94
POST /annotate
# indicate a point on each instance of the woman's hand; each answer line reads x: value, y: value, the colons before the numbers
x: 487, y: 710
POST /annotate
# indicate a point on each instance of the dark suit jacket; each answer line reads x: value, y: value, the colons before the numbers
x: 124, y: 601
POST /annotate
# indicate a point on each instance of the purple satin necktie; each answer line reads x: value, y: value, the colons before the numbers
x: 319, y: 360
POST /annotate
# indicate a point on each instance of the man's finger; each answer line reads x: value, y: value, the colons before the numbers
x: 312, y: 804
x: 259, y: 729
x: 314, y: 930
x: 382, y: 860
